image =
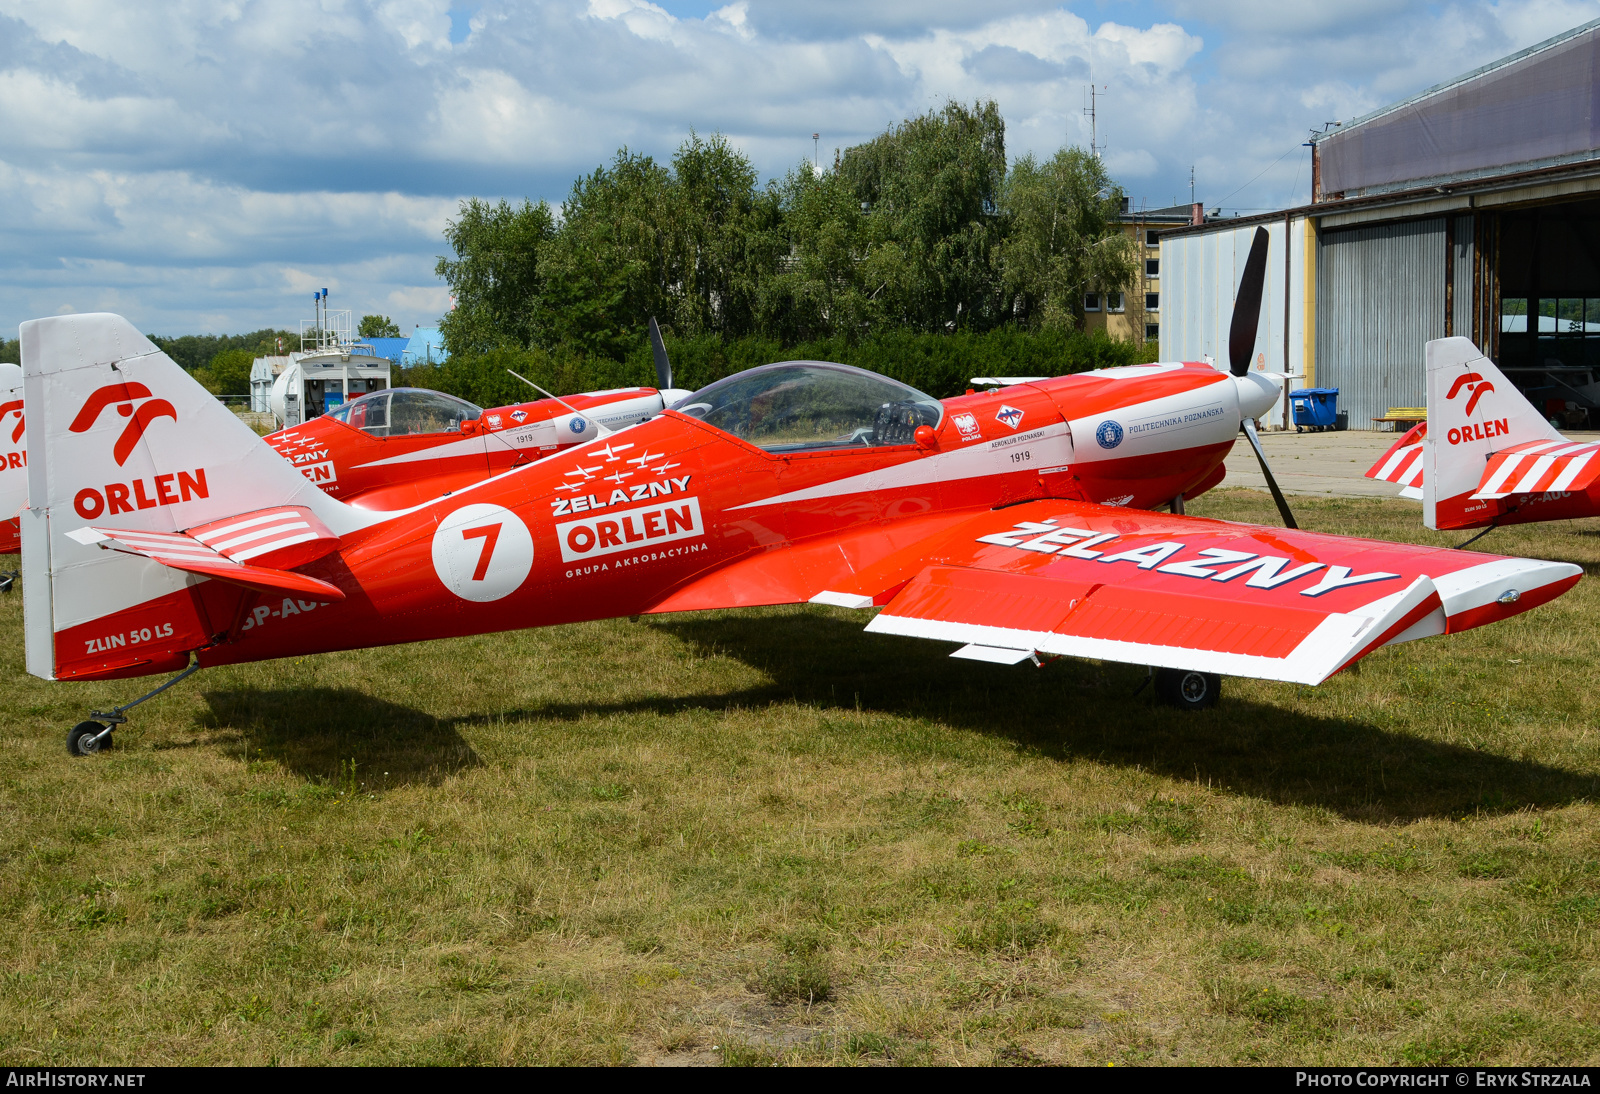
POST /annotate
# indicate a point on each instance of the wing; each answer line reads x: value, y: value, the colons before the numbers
x: 1539, y: 467
x: 1064, y: 577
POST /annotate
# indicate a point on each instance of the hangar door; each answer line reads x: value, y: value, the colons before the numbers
x: 1381, y: 295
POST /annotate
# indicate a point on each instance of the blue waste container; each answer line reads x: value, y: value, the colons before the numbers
x: 1315, y: 407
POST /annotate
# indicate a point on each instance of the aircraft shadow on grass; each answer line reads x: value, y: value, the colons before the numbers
x: 1076, y: 710
x: 317, y: 732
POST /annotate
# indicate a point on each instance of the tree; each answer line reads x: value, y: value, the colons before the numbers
x: 816, y: 290
x: 497, y: 275
x: 931, y: 189
x: 611, y: 268
x: 378, y: 326
x: 1063, y: 238
x: 228, y: 373
x: 723, y: 241
x: 192, y: 351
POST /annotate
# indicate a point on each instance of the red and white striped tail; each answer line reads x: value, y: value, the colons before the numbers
x: 255, y: 550
x: 1539, y: 467
x: 281, y: 538
x: 1402, y: 464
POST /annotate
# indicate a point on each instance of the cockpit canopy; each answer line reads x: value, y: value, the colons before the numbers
x: 403, y: 411
x: 801, y: 406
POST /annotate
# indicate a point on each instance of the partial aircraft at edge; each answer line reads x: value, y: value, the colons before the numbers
x: 13, y: 458
x: 1485, y: 456
x: 163, y: 532
x: 398, y: 448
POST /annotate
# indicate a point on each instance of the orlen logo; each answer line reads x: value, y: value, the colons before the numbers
x: 7, y: 408
x: 122, y: 396
x: 124, y: 497
x: 1474, y: 431
x: 630, y: 529
x: 17, y: 460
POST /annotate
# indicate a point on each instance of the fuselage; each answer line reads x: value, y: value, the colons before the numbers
x: 650, y: 517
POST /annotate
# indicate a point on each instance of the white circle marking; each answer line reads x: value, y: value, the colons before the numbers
x: 482, y: 552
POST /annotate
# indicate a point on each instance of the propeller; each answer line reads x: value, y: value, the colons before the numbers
x: 1242, y: 344
x: 658, y: 349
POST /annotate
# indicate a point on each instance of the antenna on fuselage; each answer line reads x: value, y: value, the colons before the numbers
x: 603, y: 430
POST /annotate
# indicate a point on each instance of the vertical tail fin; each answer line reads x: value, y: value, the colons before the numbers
x: 13, y: 456
x: 1473, y: 412
x: 120, y: 435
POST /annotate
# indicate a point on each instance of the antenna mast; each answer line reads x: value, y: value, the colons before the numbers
x: 1094, y: 132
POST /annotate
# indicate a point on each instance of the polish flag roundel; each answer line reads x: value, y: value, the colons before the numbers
x: 482, y: 552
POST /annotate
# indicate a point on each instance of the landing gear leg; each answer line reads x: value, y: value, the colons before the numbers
x: 87, y: 738
x: 1187, y: 689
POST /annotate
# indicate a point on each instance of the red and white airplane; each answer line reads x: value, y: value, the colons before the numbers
x: 397, y: 448
x: 162, y: 532
x: 1486, y: 457
x: 13, y: 458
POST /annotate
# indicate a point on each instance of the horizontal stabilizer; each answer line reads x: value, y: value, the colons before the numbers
x: 1540, y: 467
x: 251, y: 549
x: 1402, y: 464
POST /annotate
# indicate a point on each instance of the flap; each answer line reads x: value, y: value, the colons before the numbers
x: 1539, y: 467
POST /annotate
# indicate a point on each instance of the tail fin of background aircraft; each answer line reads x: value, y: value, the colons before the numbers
x: 120, y: 438
x: 13, y: 456
x: 1474, y: 412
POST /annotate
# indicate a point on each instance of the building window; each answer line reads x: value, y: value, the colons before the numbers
x: 1152, y: 239
x: 1113, y: 301
x: 1091, y: 301
x: 1152, y: 331
x: 1152, y: 267
x: 1152, y: 301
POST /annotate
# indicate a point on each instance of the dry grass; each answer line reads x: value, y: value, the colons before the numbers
x: 768, y: 837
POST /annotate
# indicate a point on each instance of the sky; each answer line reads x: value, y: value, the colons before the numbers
x: 204, y: 167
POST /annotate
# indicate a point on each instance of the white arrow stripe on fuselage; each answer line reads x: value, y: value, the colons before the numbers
x: 973, y: 461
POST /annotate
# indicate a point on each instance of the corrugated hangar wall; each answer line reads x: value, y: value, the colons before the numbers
x: 1380, y: 298
x: 1200, y: 274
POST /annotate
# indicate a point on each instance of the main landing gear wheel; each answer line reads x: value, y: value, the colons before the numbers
x: 87, y: 738
x: 1187, y: 689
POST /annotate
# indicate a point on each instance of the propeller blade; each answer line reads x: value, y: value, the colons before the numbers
x: 1266, y: 472
x: 1247, y: 308
x: 658, y: 349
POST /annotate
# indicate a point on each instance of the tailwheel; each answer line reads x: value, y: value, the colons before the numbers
x: 87, y: 738
x: 1187, y: 689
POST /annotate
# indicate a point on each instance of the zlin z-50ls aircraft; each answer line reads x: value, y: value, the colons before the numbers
x: 398, y: 448
x: 162, y: 532
x: 1486, y: 457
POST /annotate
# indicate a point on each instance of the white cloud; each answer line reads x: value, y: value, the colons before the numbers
x: 194, y: 163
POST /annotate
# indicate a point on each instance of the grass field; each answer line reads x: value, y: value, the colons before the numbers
x: 766, y: 836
